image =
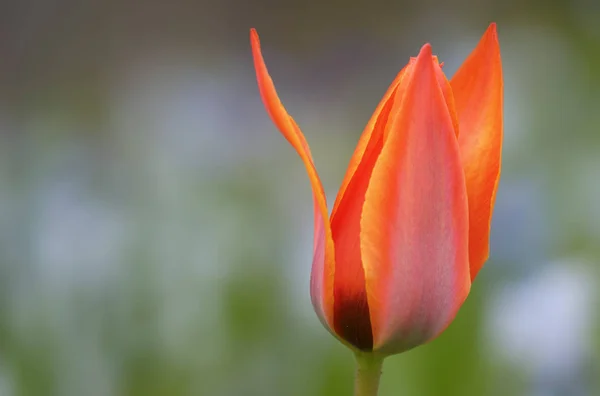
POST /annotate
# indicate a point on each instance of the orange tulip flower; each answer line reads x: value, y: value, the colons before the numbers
x: 409, y: 230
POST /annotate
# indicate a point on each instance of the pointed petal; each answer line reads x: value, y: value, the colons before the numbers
x: 414, y: 226
x: 352, y: 319
x: 477, y: 88
x: 363, y: 142
x: 322, y: 269
x: 376, y: 123
x: 351, y: 311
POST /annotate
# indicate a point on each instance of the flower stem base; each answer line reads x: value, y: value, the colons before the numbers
x: 368, y: 373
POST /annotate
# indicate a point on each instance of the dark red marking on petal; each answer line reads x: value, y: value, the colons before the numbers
x: 351, y: 315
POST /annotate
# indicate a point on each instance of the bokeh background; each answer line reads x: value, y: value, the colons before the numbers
x: 156, y: 230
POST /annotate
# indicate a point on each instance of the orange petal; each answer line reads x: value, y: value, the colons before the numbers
x: 351, y: 311
x: 477, y: 88
x: 365, y: 138
x: 414, y: 226
x: 323, y: 268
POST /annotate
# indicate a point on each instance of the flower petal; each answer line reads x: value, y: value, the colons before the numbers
x: 351, y: 311
x: 323, y: 257
x: 366, y: 137
x: 477, y: 88
x: 414, y: 226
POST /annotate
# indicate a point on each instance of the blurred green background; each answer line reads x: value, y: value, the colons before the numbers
x: 156, y: 230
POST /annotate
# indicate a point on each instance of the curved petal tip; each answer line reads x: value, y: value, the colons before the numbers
x: 425, y: 51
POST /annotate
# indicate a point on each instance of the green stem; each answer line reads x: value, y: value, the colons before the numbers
x: 368, y: 372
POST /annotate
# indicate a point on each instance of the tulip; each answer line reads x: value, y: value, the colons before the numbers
x: 409, y: 230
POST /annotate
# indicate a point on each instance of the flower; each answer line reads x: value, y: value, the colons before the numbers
x: 409, y: 230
